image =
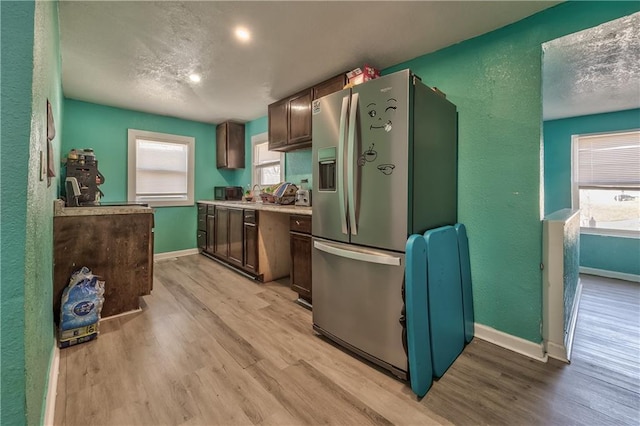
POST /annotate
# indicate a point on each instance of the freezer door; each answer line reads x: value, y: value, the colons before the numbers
x: 329, y: 115
x: 357, y: 297
x: 378, y: 158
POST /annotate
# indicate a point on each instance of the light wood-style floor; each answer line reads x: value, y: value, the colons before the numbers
x: 214, y: 348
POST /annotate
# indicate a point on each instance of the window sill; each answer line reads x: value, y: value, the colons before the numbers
x: 621, y: 233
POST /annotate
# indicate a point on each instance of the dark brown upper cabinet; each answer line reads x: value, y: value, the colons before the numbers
x: 299, y: 132
x: 290, y: 118
x: 330, y: 86
x: 278, y: 124
x: 230, y: 145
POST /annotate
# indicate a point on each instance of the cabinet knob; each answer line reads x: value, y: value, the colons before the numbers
x: 298, y: 222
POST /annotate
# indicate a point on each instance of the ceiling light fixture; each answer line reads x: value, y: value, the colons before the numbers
x: 243, y: 34
x: 195, y: 78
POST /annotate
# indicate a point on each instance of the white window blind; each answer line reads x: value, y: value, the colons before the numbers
x: 161, y: 171
x: 268, y: 167
x: 611, y: 160
x: 161, y: 168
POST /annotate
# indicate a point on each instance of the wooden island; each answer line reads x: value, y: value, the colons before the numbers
x: 115, y: 242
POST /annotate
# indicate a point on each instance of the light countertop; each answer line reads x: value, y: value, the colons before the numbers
x: 290, y: 209
x: 59, y: 209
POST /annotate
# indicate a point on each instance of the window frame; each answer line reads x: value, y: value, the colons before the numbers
x: 133, y: 135
x: 257, y: 140
x: 575, y: 188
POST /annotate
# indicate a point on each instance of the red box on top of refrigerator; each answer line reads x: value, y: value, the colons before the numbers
x: 360, y: 75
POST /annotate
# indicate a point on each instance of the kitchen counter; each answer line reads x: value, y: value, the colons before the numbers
x: 270, y: 207
x: 59, y: 209
x: 115, y: 242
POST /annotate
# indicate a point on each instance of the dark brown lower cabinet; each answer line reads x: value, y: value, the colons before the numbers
x: 221, y: 234
x: 250, y: 241
x: 300, y: 243
x: 232, y: 235
x: 202, y: 238
x: 116, y: 247
x: 236, y: 236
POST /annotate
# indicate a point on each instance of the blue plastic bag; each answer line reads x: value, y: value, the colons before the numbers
x: 81, y: 305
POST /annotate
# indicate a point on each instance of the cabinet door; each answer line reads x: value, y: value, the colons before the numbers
x: 329, y: 86
x: 300, y: 118
x: 202, y: 240
x: 221, y: 146
x: 210, y: 234
x: 301, y: 264
x: 235, y: 145
x: 251, y: 247
x: 278, y: 124
x: 202, y: 217
x: 236, y: 231
x: 221, y: 232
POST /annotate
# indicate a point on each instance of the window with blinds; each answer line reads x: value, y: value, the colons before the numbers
x: 161, y: 171
x: 606, y: 181
x: 268, y: 166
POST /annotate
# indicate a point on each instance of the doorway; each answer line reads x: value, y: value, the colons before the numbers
x: 590, y: 86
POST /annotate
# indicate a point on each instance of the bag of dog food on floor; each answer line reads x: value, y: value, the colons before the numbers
x: 80, y: 308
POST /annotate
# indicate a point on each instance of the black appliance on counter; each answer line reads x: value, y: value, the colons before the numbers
x: 227, y: 193
x: 82, y: 178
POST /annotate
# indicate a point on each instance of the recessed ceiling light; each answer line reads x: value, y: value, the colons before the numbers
x: 243, y: 34
x: 195, y: 78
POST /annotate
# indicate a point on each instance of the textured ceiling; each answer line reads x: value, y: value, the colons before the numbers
x: 593, y: 71
x: 138, y: 55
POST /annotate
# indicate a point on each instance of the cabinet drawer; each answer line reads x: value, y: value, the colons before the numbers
x: 300, y: 223
x: 250, y: 216
x: 211, y: 209
x: 202, y: 222
x: 202, y: 209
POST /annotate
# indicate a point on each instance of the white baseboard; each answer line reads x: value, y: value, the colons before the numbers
x: 174, y: 254
x: 563, y: 352
x: 557, y: 351
x: 513, y: 343
x: 610, y: 274
x: 133, y: 311
x: 52, y: 388
x: 573, y: 319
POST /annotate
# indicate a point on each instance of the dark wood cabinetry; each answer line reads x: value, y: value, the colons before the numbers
x: 230, y: 145
x: 300, y: 243
x: 221, y: 239
x: 278, y: 124
x: 116, y: 247
x: 211, y: 229
x: 250, y: 241
x: 232, y: 236
x: 330, y: 86
x: 202, y: 239
x: 290, y: 118
x: 299, y: 119
x: 236, y: 236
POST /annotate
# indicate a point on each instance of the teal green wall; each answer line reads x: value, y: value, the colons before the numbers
x: 495, y: 80
x: 608, y: 253
x: 30, y: 76
x: 104, y: 129
x: 242, y: 177
x: 298, y: 166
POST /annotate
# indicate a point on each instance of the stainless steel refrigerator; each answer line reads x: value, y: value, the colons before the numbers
x: 384, y: 167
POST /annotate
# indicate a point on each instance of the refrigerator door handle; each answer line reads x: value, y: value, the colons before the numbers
x: 340, y: 156
x: 370, y: 257
x: 351, y: 159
